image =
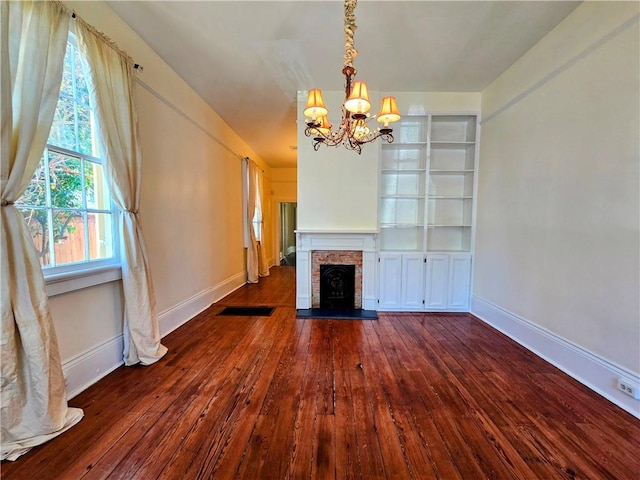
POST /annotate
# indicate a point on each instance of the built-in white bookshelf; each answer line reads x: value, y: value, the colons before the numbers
x: 427, y: 184
x: 403, y: 187
x: 452, y: 154
x: 427, y: 190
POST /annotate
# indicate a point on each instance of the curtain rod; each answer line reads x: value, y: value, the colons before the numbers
x: 247, y: 159
x: 136, y: 66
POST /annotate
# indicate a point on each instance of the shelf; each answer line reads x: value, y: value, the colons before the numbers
x: 410, y: 130
x: 448, y: 186
x: 404, y: 157
x: 403, y: 238
x: 403, y: 183
x: 449, y: 197
x: 452, y: 159
x: 427, y: 187
x: 435, y: 225
x: 451, y: 145
x: 453, y: 128
x: 449, y: 238
x: 402, y: 211
x: 401, y: 225
x: 404, y: 197
x: 449, y: 211
x: 395, y: 145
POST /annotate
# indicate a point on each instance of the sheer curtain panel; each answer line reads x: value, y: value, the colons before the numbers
x: 263, y: 264
x: 33, y: 39
x: 113, y: 76
x: 252, y: 249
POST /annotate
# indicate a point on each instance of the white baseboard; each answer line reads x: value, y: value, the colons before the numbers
x: 85, y: 369
x: 82, y: 371
x: 595, y: 372
x: 184, y: 311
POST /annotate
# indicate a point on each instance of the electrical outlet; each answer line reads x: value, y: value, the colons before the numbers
x: 628, y: 387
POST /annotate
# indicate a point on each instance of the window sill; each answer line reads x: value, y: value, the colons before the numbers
x: 69, y: 281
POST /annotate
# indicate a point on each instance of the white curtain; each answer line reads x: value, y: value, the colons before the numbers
x: 112, y: 77
x: 252, y: 249
x: 33, y: 39
x: 263, y: 265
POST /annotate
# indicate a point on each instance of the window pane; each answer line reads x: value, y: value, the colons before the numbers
x: 66, y: 181
x: 66, y: 87
x: 82, y: 88
x: 85, y: 132
x: 100, y: 233
x: 36, y: 220
x: 70, y: 179
x: 96, y: 187
x: 36, y: 193
x: 69, y: 236
x: 63, y: 129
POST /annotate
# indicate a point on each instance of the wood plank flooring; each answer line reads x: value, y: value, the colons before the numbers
x: 422, y: 396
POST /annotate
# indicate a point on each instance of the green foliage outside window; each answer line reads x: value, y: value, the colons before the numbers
x: 68, y: 187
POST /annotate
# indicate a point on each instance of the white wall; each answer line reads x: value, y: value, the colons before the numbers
x: 557, y: 241
x: 191, y: 212
x: 284, y: 183
x: 337, y: 188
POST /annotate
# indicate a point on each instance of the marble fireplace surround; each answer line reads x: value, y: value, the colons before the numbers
x: 308, y: 241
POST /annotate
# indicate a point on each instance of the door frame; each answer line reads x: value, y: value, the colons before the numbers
x: 275, y: 204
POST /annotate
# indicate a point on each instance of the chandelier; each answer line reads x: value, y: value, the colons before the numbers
x: 354, y: 129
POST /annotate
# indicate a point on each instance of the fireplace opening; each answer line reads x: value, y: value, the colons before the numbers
x: 337, y: 286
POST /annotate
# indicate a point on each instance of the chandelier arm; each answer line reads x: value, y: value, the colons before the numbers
x: 344, y: 134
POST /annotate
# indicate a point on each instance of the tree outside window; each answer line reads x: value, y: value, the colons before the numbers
x: 67, y: 205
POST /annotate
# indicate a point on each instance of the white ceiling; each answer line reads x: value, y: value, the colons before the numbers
x: 248, y: 59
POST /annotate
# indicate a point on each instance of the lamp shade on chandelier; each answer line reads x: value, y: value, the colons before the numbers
x: 354, y: 130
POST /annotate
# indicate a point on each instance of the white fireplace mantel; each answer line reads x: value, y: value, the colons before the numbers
x: 364, y: 241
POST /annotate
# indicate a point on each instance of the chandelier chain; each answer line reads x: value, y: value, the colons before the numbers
x: 350, y: 27
x: 354, y: 130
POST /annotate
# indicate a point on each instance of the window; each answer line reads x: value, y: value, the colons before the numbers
x: 251, y: 180
x: 67, y: 205
x: 257, y: 219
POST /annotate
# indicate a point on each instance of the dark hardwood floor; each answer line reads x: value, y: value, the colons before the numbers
x: 408, y: 396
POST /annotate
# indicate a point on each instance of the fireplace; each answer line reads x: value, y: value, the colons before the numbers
x: 316, y: 248
x: 337, y: 286
x: 321, y: 259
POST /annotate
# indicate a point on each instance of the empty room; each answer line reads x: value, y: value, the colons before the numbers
x: 320, y: 239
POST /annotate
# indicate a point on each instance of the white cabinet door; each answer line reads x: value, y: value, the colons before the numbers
x: 390, y: 276
x: 459, y: 282
x: 406, y: 284
x: 412, y: 281
x: 436, y: 282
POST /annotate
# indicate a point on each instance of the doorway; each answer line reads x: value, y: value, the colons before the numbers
x: 288, y: 215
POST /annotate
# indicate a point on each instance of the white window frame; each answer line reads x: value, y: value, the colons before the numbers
x: 74, y: 276
x: 256, y: 221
